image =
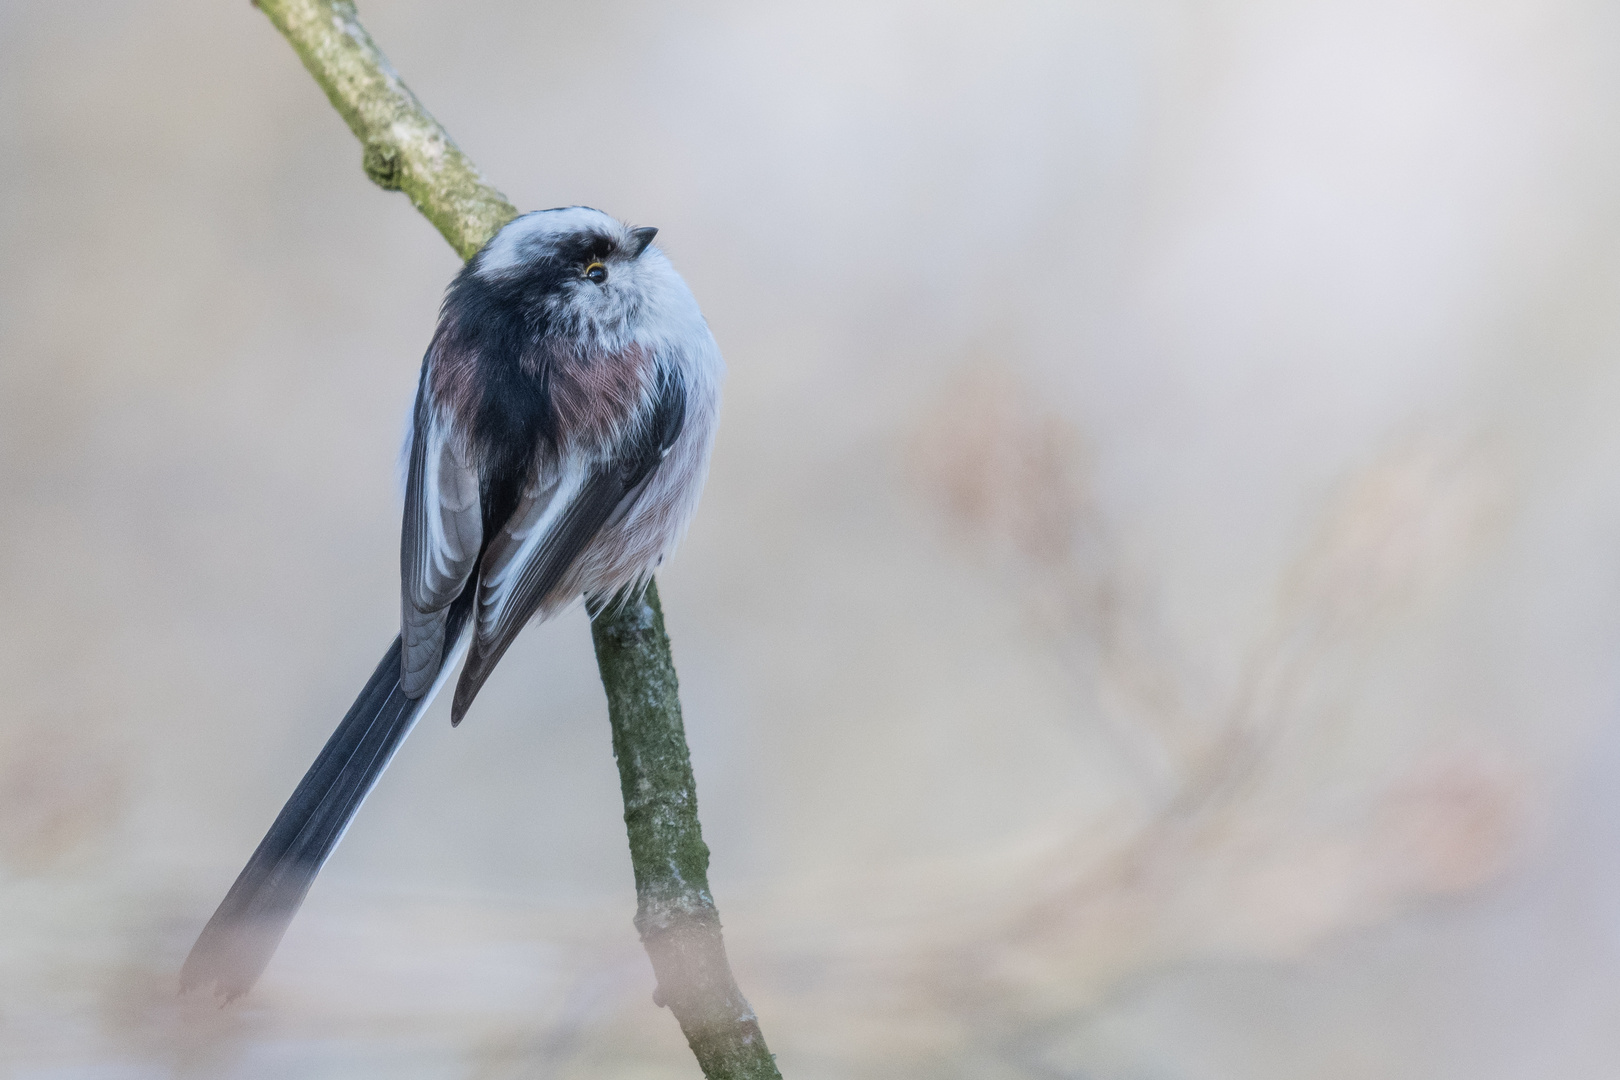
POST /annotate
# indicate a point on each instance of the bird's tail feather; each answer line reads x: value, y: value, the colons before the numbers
x: 237, y: 943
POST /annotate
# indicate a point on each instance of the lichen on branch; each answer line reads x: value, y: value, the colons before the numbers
x: 679, y: 924
x: 404, y: 148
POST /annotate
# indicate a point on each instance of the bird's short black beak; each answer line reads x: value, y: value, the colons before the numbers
x: 640, y: 238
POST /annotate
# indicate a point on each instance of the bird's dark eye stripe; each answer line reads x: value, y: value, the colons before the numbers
x: 586, y: 249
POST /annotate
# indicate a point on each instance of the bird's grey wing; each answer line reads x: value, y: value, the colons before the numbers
x: 529, y: 559
x: 439, y: 543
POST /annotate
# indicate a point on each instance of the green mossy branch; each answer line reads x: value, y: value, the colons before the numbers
x: 679, y: 924
x: 405, y: 149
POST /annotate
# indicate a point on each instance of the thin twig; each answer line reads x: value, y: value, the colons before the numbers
x: 407, y: 150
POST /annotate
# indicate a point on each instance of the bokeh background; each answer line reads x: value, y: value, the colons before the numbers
x: 1155, y: 614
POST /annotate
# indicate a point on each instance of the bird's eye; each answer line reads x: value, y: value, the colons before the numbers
x: 596, y: 272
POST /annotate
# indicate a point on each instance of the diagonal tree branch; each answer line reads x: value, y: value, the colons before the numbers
x: 407, y: 150
x: 679, y: 923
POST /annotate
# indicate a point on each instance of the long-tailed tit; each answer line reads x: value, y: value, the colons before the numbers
x: 559, y: 442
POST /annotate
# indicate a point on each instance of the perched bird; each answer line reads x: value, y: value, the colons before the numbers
x: 559, y: 441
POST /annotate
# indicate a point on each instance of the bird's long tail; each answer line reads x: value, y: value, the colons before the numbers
x: 237, y: 943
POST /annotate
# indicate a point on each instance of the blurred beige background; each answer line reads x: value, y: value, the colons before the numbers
x: 1155, y: 614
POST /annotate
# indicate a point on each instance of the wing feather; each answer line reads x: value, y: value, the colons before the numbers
x: 531, y: 557
x: 439, y: 544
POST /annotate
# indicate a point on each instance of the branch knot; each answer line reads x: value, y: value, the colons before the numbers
x: 382, y: 164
